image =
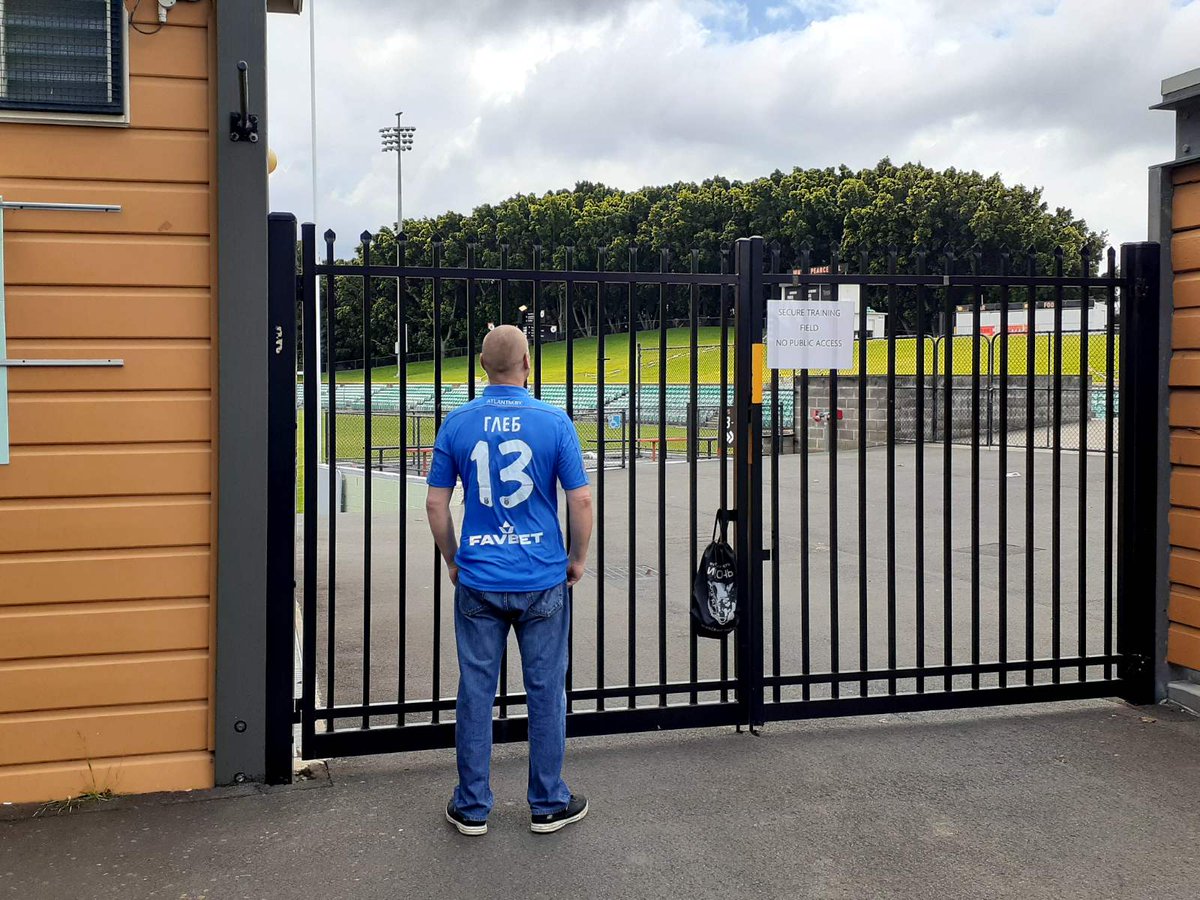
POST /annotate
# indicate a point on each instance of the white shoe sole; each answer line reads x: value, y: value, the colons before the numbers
x: 555, y: 826
x: 472, y: 830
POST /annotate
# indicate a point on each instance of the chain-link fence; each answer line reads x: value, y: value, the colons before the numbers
x: 666, y: 415
x: 1040, y: 389
x: 1018, y: 389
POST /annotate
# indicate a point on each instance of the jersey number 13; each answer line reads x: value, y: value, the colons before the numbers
x: 513, y: 472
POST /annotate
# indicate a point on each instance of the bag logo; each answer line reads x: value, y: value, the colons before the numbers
x: 721, y: 603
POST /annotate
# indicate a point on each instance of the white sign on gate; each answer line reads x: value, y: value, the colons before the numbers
x: 810, y: 334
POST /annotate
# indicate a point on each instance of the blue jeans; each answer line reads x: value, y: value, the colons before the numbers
x: 481, y: 622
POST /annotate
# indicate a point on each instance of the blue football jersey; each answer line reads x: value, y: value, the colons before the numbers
x: 511, y: 452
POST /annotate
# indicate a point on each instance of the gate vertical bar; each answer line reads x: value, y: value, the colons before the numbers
x: 402, y: 482
x: 504, y: 285
x: 472, y: 288
x: 723, y: 441
x: 565, y: 323
x: 601, y: 424
x: 281, y: 497
x: 634, y: 378
x: 947, y: 482
x: 1085, y: 400
x: 368, y: 472
x: 863, y: 604
x: 776, y: 586
x: 805, y: 590
x: 664, y: 259
x: 835, y: 639
x: 1137, y: 472
x: 436, y: 686
x: 312, y: 388
x: 1030, y: 487
x: 1109, y: 468
x: 891, y: 470
x: 331, y: 458
x: 1056, y: 476
x: 1002, y: 475
x: 976, y: 365
x: 919, y: 471
x: 537, y: 322
x: 747, y: 378
x: 693, y: 453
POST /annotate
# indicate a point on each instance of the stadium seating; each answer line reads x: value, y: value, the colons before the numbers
x: 419, y: 399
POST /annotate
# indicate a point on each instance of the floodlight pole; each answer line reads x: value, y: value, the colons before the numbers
x: 400, y: 185
x: 398, y: 138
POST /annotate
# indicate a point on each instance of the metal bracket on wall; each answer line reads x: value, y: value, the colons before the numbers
x: 59, y: 363
x: 5, y: 362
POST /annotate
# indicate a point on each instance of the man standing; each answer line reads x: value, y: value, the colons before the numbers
x: 511, y: 452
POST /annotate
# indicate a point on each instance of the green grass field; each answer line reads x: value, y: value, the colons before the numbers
x: 708, y: 363
x: 385, y: 428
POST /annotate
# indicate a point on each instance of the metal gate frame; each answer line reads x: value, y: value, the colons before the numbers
x: 1127, y: 665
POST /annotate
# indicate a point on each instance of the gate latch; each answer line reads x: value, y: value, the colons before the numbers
x: 242, y: 125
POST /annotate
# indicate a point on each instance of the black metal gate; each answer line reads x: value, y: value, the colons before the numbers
x: 957, y: 574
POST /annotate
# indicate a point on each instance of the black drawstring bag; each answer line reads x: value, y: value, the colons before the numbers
x: 714, y: 595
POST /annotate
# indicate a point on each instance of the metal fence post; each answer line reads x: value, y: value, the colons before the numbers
x: 933, y: 400
x: 748, y: 362
x: 281, y: 495
x: 991, y: 387
x: 1138, y: 472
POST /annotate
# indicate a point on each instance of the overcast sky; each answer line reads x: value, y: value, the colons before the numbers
x: 532, y: 95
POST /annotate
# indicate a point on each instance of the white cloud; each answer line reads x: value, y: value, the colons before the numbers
x: 536, y: 95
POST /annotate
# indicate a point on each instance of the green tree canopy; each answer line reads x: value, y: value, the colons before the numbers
x: 823, y: 211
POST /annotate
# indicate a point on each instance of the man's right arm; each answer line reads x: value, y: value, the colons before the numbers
x: 443, y: 474
x: 574, y: 480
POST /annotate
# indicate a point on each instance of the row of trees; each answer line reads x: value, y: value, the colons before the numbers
x: 818, y: 211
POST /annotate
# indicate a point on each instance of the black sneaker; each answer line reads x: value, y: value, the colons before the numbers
x: 548, y: 822
x: 473, y: 827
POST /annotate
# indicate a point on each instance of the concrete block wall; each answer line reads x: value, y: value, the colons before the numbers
x: 934, y: 424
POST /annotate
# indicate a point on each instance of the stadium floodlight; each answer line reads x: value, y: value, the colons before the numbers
x: 398, y: 139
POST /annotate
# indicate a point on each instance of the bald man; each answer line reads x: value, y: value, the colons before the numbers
x: 511, y: 452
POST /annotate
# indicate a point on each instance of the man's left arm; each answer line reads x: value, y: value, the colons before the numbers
x: 437, y: 511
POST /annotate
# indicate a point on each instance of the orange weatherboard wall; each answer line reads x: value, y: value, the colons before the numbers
x: 1183, y: 637
x: 107, y: 509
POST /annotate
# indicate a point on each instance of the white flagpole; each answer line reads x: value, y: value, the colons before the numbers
x: 315, y: 322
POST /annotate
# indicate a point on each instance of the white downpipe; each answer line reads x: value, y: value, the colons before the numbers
x: 312, y: 115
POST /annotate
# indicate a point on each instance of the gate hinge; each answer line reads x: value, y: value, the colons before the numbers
x: 297, y: 711
x: 1135, y: 664
x: 766, y: 555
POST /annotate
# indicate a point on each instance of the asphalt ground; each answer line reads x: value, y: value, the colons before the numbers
x: 650, y: 600
x: 1091, y: 800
